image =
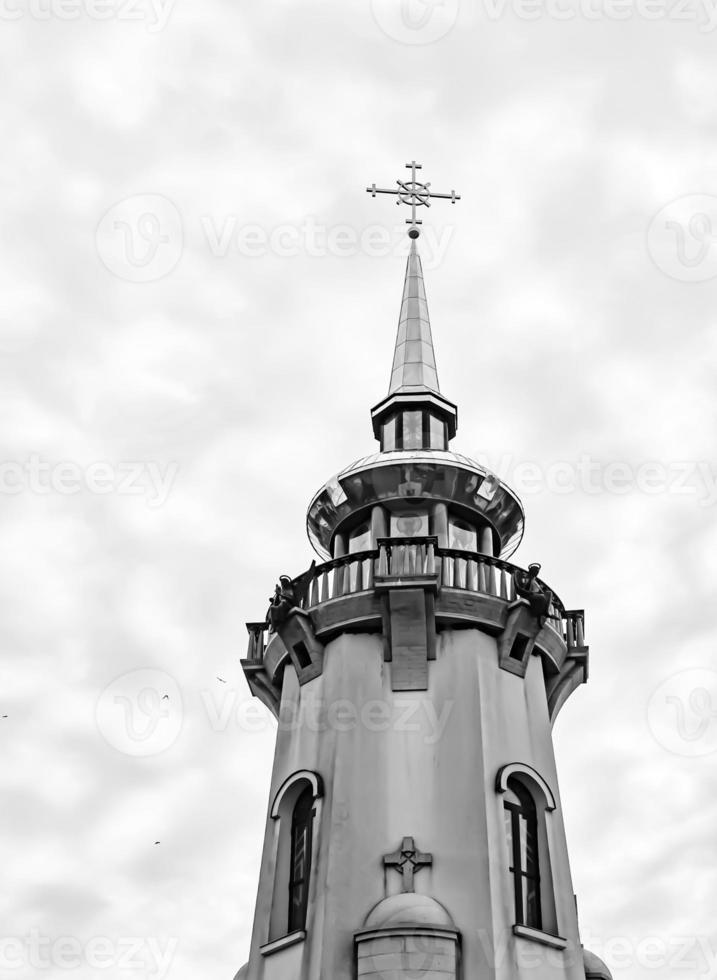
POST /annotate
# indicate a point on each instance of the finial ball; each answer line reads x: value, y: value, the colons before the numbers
x: 413, y: 233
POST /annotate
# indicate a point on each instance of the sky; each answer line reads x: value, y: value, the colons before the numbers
x: 198, y: 311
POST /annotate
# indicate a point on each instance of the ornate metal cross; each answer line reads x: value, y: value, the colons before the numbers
x: 407, y: 859
x: 413, y: 193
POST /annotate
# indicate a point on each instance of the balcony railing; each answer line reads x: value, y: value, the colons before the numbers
x: 407, y: 558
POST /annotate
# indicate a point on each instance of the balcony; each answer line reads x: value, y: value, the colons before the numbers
x: 465, y: 589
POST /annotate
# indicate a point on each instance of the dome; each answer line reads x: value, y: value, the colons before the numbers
x: 241, y: 975
x: 435, y: 475
x: 595, y: 969
x: 408, y: 910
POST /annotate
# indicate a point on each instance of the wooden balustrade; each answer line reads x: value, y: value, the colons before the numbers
x: 410, y: 557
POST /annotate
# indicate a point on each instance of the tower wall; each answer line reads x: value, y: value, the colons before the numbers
x: 422, y: 764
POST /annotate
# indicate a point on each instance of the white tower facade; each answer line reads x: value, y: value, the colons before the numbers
x: 415, y: 827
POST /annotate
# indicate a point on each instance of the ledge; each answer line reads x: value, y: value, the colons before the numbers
x: 425, y: 929
x: 537, y: 936
x: 277, y: 944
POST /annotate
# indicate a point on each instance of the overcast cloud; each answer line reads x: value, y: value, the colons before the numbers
x: 199, y: 305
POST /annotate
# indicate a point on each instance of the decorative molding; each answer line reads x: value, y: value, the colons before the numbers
x: 437, y: 932
x: 407, y: 860
x: 277, y: 944
x: 521, y: 769
x: 314, y: 780
x: 537, y: 936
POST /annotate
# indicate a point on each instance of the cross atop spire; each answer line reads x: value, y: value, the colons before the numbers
x: 414, y: 415
x: 415, y: 194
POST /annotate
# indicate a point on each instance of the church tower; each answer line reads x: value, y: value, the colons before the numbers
x: 415, y: 828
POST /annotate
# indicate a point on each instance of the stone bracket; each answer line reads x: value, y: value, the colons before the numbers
x: 517, y: 639
x: 306, y: 652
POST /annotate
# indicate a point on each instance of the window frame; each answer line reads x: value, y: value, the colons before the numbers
x: 526, y: 810
x: 302, y: 817
x: 530, y: 782
x: 282, y: 923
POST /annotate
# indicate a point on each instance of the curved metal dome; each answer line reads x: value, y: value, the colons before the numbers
x: 423, y: 474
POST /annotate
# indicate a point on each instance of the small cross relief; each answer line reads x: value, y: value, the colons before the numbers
x: 407, y: 859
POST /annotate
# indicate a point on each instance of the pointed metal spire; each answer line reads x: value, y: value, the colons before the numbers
x: 414, y: 362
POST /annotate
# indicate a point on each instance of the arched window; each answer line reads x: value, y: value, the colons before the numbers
x: 527, y: 804
x: 521, y: 825
x: 301, y: 832
x: 296, y: 810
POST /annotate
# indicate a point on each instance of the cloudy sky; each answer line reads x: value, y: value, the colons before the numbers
x: 198, y: 310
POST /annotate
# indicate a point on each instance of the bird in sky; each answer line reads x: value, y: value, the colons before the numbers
x: 157, y: 842
x: 221, y: 679
x: 165, y: 697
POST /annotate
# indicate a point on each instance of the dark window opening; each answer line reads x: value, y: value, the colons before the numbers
x: 521, y: 824
x: 520, y: 645
x: 302, y: 655
x: 301, y: 828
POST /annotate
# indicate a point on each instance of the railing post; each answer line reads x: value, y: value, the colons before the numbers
x: 383, y: 559
x: 346, y: 576
x: 570, y: 632
x: 430, y: 559
x: 579, y: 630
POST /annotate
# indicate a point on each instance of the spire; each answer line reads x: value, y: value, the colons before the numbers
x: 414, y: 362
